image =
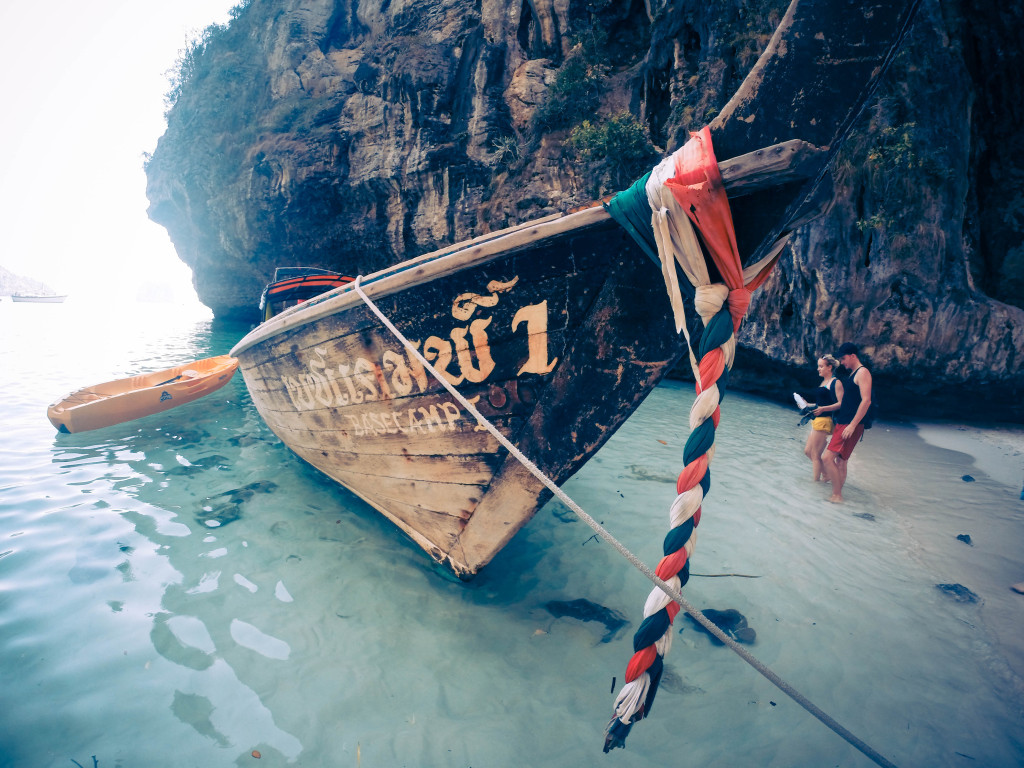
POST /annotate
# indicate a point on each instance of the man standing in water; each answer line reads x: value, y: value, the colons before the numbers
x: 849, y: 419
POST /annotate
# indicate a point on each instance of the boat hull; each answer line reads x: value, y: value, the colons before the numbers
x: 115, y: 402
x: 39, y: 299
x: 555, y: 343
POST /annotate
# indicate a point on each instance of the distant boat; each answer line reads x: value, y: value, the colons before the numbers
x: 115, y: 402
x: 294, y: 285
x: 39, y: 298
x: 556, y: 329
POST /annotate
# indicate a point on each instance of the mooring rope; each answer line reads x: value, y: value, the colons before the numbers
x: 717, y: 346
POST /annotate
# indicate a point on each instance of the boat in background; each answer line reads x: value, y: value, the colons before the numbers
x: 557, y: 329
x: 115, y: 402
x: 37, y: 298
x: 294, y: 285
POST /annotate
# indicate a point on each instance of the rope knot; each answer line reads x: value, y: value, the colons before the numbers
x: 709, y: 299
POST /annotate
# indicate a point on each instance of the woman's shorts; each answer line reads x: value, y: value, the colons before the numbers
x: 822, y: 424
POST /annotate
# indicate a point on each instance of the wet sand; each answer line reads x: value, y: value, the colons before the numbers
x: 976, y: 461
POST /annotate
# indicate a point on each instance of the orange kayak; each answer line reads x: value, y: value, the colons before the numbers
x: 114, y: 402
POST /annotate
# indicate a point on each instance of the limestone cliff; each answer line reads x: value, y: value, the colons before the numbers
x: 10, y: 283
x: 351, y: 135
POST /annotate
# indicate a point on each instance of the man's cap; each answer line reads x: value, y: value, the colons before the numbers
x: 846, y: 348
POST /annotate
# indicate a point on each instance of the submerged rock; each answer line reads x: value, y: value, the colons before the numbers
x: 674, y: 682
x: 730, y: 621
x: 584, y: 610
x: 638, y: 472
x: 224, y: 508
x: 188, y: 435
x: 216, y: 461
x: 959, y: 592
x: 243, y: 441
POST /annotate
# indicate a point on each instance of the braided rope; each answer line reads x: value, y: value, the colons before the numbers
x: 685, y: 192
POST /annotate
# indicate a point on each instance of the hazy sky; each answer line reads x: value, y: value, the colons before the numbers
x: 82, y: 86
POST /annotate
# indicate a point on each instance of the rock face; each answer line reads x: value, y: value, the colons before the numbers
x: 11, y: 283
x: 352, y: 135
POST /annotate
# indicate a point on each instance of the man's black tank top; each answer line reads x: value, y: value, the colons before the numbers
x: 851, y: 400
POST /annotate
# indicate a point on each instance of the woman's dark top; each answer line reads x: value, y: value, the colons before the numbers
x: 825, y: 396
x: 851, y: 401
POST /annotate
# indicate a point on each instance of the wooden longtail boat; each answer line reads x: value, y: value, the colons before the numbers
x: 556, y: 329
x: 115, y: 402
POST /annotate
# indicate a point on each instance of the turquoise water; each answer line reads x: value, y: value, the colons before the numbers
x: 182, y: 591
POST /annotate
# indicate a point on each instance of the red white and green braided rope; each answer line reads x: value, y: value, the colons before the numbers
x: 691, y: 199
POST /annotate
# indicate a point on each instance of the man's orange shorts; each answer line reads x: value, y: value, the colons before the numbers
x: 845, y: 447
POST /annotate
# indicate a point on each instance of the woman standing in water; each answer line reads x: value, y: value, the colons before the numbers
x: 827, y: 398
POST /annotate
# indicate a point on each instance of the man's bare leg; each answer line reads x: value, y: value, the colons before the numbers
x: 835, y: 465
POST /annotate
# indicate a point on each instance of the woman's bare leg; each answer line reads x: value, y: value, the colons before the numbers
x: 815, y: 445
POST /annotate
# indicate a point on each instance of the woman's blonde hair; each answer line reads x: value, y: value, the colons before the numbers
x: 831, y: 361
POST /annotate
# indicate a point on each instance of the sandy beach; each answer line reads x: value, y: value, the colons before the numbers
x: 964, y: 463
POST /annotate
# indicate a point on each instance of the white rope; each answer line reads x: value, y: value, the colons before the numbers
x: 671, y: 590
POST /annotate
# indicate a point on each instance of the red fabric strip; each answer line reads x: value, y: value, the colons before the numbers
x: 640, y: 663
x: 672, y: 564
x: 692, y: 473
x: 698, y: 188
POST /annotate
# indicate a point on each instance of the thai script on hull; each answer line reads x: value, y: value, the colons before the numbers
x: 333, y: 379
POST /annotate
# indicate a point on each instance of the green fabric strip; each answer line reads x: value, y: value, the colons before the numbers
x: 633, y: 213
x: 699, y: 442
x: 677, y: 537
x: 717, y: 332
x: 651, y: 628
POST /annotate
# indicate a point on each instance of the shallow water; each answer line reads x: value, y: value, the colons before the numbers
x: 181, y: 590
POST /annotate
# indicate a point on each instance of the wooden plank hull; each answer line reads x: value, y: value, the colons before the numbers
x: 576, y: 319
